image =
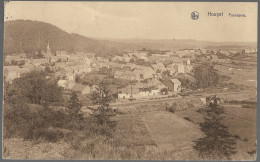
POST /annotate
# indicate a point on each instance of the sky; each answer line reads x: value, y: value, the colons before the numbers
x: 143, y: 20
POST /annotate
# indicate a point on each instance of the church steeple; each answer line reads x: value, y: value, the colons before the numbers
x: 48, y: 48
x: 48, y: 52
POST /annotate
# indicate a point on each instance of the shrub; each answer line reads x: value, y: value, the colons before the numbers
x: 50, y: 135
x: 187, y: 118
x: 252, y: 152
x: 171, y: 108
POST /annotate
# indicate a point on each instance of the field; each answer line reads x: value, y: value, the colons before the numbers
x: 241, y: 77
x: 147, y: 132
x: 241, y: 122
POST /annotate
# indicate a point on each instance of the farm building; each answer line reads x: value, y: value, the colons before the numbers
x: 173, y: 85
x: 128, y: 92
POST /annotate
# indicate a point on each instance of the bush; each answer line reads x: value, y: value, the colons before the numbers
x: 50, y: 135
x: 171, y: 108
x: 33, y: 125
x: 187, y: 118
x: 45, y: 124
x: 102, y: 124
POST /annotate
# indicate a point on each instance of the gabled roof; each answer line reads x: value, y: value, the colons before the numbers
x: 78, y: 88
x: 155, y: 66
x: 129, y: 89
x: 115, y: 65
x: 175, y: 81
x: 119, y: 73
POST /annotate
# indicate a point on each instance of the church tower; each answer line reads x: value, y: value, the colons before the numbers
x: 48, y: 52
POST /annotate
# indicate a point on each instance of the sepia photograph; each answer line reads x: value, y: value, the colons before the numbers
x: 129, y: 80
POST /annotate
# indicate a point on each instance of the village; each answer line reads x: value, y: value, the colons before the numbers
x: 139, y: 74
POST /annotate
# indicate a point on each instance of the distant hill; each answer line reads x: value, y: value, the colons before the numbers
x: 29, y: 36
x: 174, y: 44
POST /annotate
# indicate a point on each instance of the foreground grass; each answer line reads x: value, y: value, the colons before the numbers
x: 132, y: 140
x: 150, y: 134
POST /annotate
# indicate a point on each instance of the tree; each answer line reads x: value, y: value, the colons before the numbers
x: 74, y: 106
x: 218, y: 143
x: 102, y: 96
x: 206, y: 75
x: 131, y: 60
x: 78, y: 79
x: 243, y: 52
x: 38, y: 87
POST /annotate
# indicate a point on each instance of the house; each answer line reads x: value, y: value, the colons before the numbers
x: 127, y: 75
x: 249, y: 51
x: 119, y: 74
x: 99, y: 59
x: 176, y: 85
x: 179, y: 68
x: 172, y: 68
x: 173, y: 85
x: 186, y: 61
x: 120, y: 58
x: 214, y: 58
x: 128, y: 92
x: 224, y: 52
x: 147, y: 92
x: 114, y: 65
x: 158, y: 57
x: 81, y: 89
x: 234, y: 51
x: 87, y: 61
x: 68, y: 85
x: 127, y: 58
x: 155, y: 67
x: 152, y: 83
x: 83, y: 68
x: 63, y: 56
x: 224, y: 60
x: 129, y: 65
x: 203, y: 51
x: 176, y: 60
x: 141, y: 55
x: 143, y: 74
x: 187, y: 53
x: 94, y: 88
x: 150, y: 87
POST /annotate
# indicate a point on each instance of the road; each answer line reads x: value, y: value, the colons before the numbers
x: 173, y: 98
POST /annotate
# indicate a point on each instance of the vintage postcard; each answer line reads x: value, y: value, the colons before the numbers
x: 130, y: 80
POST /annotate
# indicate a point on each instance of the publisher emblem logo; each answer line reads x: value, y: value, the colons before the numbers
x: 194, y: 15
